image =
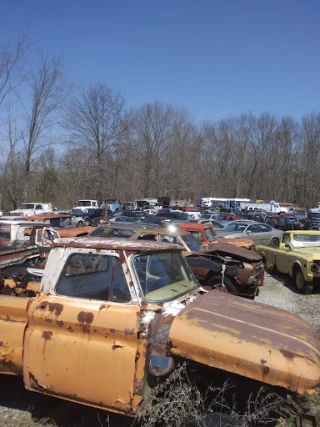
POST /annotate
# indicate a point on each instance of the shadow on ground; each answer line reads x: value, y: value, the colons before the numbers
x: 50, y: 411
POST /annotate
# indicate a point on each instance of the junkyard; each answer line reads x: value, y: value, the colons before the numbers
x: 170, y: 326
x: 20, y: 407
x: 159, y: 214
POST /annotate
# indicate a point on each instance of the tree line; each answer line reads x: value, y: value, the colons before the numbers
x: 60, y: 143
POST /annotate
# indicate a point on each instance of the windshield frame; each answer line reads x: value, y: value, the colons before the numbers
x: 183, y: 263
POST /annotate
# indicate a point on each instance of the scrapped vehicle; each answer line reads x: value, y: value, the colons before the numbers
x: 207, y: 235
x: 283, y: 222
x: 254, y: 216
x: 134, y: 312
x: 26, y: 209
x: 88, y: 217
x: 80, y: 205
x: 298, y: 256
x: 113, y: 204
x: 258, y: 232
x: 302, y: 217
x: 220, y: 265
x: 63, y: 223
x: 17, y: 242
x: 313, y: 222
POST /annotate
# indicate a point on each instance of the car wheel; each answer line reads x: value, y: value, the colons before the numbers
x: 274, y: 243
x: 302, y: 285
x: 87, y: 222
x: 80, y: 223
x: 221, y: 284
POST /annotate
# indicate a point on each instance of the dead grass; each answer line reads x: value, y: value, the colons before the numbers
x: 178, y: 402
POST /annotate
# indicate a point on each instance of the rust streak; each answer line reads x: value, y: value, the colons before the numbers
x: 47, y: 335
x: 85, y: 317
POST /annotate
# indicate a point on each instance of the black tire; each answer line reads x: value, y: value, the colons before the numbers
x: 87, y: 222
x: 225, y: 286
x: 301, y: 285
x: 274, y: 242
x: 80, y: 223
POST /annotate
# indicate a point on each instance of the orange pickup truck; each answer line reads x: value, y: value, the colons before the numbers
x: 114, y: 317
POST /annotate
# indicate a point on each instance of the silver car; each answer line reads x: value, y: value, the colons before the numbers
x: 257, y: 231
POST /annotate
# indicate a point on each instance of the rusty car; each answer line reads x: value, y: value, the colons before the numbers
x: 222, y: 265
x: 112, y: 318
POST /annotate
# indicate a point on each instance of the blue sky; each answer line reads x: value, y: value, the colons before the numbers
x: 215, y: 58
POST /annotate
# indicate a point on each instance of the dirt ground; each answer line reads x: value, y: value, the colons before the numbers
x: 20, y: 408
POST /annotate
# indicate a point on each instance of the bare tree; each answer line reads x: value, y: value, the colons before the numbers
x: 48, y: 91
x: 12, y: 61
x: 94, y: 120
x: 12, y: 161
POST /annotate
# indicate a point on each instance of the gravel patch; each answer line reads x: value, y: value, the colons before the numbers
x: 280, y: 292
x: 20, y: 408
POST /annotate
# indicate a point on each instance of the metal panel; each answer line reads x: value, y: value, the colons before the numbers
x: 253, y: 340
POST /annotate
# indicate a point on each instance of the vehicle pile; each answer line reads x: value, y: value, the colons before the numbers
x: 125, y: 299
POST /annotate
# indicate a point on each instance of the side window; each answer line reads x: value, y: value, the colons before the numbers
x: 39, y: 207
x: 286, y: 240
x: 253, y: 228
x: 147, y: 237
x: 264, y: 228
x: 169, y: 239
x: 86, y: 276
x: 120, y: 291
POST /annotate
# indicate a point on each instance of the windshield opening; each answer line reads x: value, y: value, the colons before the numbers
x: 193, y: 244
x: 305, y: 240
x: 163, y: 276
x: 27, y: 206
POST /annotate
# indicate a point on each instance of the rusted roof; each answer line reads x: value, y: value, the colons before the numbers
x: 44, y: 217
x: 114, y: 243
x: 24, y: 223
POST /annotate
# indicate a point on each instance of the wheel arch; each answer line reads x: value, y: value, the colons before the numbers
x: 296, y: 266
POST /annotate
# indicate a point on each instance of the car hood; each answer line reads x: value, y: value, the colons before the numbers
x: 250, y: 339
x: 230, y: 249
x: 312, y: 252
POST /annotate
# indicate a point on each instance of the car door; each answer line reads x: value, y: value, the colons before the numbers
x: 81, y: 341
x: 265, y: 233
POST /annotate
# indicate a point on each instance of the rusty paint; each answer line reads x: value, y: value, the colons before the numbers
x: 85, y: 317
x: 213, y: 325
x: 53, y: 307
x: 60, y: 323
x: 46, y: 319
x: 160, y: 363
x: 70, y: 329
x: 47, y: 335
x: 102, y: 307
x: 112, y: 330
x: 265, y: 370
x: 129, y: 331
x: 116, y: 345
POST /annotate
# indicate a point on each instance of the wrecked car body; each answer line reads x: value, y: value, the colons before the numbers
x: 225, y: 266
x: 134, y: 310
